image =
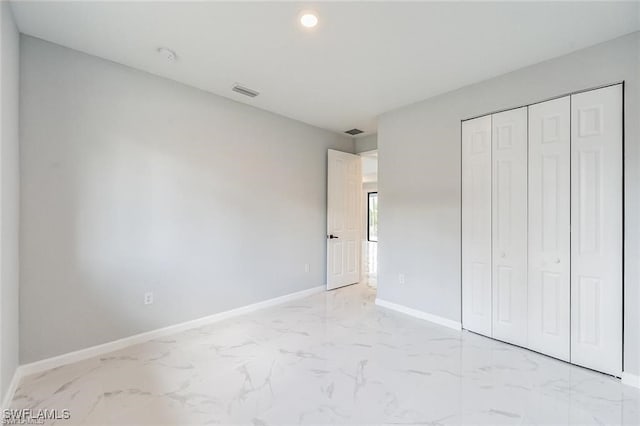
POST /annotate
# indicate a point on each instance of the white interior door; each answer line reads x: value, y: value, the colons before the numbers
x: 509, y: 218
x: 476, y: 225
x: 344, y: 185
x: 596, y: 229
x: 549, y: 222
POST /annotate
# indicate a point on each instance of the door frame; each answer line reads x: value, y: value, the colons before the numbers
x: 622, y: 83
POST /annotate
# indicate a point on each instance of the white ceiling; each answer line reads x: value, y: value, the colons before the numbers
x: 363, y: 58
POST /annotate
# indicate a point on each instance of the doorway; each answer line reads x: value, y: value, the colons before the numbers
x: 352, y: 219
x: 370, y: 217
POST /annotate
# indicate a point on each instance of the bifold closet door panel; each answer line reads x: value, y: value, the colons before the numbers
x: 509, y: 230
x: 549, y: 224
x: 596, y: 229
x: 476, y: 225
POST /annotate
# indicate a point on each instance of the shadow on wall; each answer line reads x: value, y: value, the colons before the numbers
x: 140, y: 218
x: 132, y: 183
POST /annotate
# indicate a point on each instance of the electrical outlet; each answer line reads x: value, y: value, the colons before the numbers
x: 148, y: 298
x: 401, y: 279
x: 307, y: 267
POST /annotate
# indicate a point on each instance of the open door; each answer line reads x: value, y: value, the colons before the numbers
x: 344, y: 183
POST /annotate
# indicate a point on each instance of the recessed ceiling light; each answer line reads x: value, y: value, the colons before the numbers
x: 309, y: 19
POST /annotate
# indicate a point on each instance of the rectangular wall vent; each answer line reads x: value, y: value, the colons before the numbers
x: 245, y: 91
x: 354, y: 132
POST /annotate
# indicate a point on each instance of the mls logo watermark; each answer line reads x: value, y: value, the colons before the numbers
x: 29, y: 416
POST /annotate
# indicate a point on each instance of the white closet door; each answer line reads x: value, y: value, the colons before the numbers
x: 509, y: 213
x: 549, y: 222
x: 596, y: 229
x: 476, y: 225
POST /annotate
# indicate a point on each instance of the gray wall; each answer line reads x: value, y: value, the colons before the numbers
x: 133, y: 183
x: 419, y: 178
x: 366, y: 143
x: 9, y: 196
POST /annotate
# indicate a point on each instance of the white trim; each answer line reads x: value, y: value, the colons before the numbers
x: 82, y: 354
x: 11, y: 390
x: 371, y: 152
x: 631, y: 379
x: 420, y: 314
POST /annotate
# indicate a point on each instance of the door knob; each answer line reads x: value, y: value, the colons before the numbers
x: 504, y: 254
x: 557, y: 260
x: 332, y: 237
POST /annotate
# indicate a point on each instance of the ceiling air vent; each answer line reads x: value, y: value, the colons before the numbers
x: 354, y: 132
x: 245, y: 91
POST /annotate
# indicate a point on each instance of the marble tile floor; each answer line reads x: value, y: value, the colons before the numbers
x: 332, y: 358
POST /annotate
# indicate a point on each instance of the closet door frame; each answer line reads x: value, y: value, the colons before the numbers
x: 623, y: 207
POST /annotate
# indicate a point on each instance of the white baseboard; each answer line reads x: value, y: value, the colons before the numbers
x: 11, y: 390
x: 631, y: 379
x: 71, y: 357
x: 420, y: 314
